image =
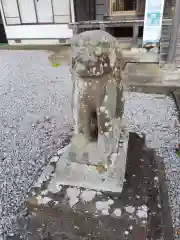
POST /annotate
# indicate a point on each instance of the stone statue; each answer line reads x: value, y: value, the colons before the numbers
x: 96, y: 155
x: 97, y: 65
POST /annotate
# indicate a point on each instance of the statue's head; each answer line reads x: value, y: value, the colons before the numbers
x: 94, y: 53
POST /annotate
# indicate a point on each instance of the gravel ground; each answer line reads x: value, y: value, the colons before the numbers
x: 157, y: 118
x: 35, y: 118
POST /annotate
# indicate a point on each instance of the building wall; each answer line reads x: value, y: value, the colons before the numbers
x: 164, y: 43
x: 173, y: 3
x: 100, y: 9
x: 37, y: 20
x: 176, y: 57
x: 166, y: 33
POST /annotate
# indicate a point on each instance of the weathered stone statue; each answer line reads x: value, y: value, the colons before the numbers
x: 97, y: 65
x: 97, y: 153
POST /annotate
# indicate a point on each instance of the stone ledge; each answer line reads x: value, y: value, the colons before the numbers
x: 149, y: 78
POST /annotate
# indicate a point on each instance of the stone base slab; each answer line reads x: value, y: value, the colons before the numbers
x: 99, y: 178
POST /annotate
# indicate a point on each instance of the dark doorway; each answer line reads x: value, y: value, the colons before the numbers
x: 123, y: 32
x: 141, y: 29
x: 84, y: 10
x: 3, y: 38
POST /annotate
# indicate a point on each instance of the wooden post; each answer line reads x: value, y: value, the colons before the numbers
x: 72, y: 11
x: 107, y: 8
x: 135, y: 33
x: 102, y: 27
x: 75, y: 29
x: 174, y: 34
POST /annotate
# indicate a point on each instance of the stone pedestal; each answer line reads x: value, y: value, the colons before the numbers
x: 96, y: 157
x: 83, y: 168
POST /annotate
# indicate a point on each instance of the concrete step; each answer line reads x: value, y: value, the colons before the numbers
x: 149, y: 78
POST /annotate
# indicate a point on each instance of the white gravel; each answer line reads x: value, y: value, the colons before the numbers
x: 35, y: 116
x: 157, y: 118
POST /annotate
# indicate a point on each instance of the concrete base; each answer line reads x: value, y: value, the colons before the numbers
x: 87, y: 173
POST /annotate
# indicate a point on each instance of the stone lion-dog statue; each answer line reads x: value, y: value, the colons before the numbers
x: 97, y: 65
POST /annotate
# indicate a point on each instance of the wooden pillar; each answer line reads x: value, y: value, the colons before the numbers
x: 135, y: 33
x: 106, y: 8
x: 102, y: 27
x: 72, y: 11
x: 174, y: 33
x: 75, y: 29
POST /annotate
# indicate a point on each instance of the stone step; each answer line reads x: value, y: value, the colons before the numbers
x: 150, y: 78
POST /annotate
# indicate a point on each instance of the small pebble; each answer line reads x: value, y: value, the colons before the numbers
x: 126, y: 233
x: 131, y: 228
x: 54, y: 159
x: 117, y: 212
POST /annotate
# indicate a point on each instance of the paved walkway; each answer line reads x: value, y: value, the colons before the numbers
x: 149, y: 78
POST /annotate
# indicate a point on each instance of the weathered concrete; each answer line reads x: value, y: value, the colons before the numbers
x: 149, y: 78
x: 137, y: 55
x: 141, y: 211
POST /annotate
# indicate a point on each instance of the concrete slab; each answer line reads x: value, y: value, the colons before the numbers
x: 134, y: 55
x: 70, y: 172
x: 149, y: 78
x: 140, y: 212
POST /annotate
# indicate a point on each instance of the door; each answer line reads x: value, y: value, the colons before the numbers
x: 11, y: 12
x: 84, y: 10
x: 44, y: 10
x: 27, y: 11
x: 36, y: 11
x: 61, y: 9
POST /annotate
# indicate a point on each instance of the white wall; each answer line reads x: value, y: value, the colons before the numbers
x: 39, y: 31
x: 61, y: 13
